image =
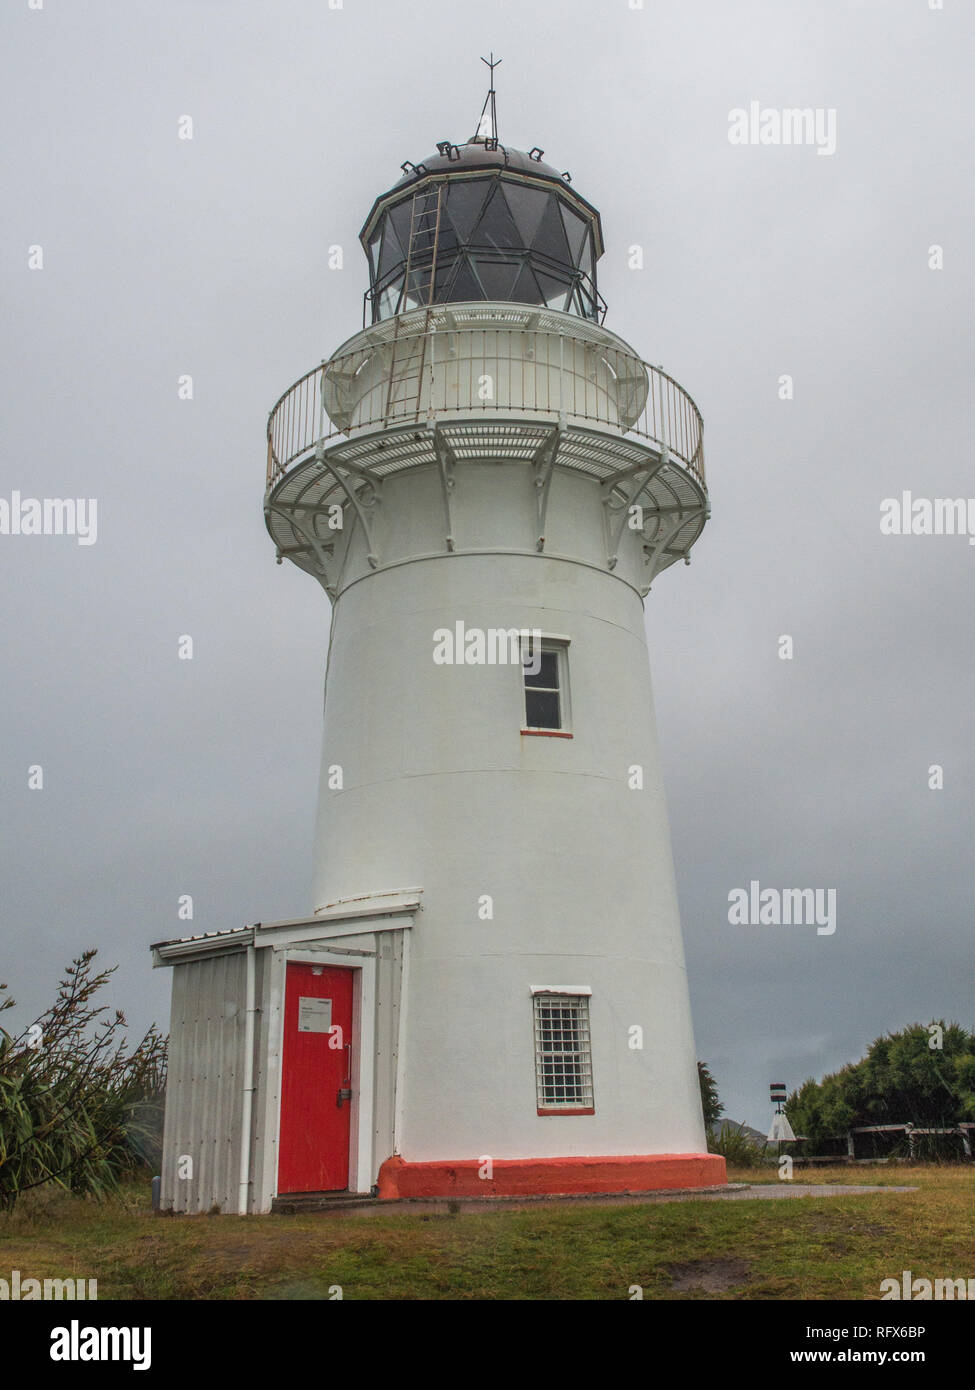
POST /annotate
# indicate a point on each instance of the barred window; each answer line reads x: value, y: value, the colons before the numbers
x: 563, y: 1055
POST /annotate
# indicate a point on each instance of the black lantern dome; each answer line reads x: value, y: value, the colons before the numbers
x: 482, y: 221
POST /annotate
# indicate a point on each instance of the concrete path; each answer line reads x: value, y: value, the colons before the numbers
x: 730, y: 1192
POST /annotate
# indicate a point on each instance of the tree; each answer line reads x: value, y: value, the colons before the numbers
x: 905, y: 1077
x: 710, y: 1104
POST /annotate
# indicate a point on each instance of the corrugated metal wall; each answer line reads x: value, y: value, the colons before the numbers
x: 203, y: 1094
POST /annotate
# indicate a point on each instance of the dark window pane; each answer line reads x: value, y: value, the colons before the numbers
x: 548, y: 675
x: 576, y: 229
x: 526, y: 289
x: 464, y: 203
x: 528, y: 207
x: 423, y: 238
x: 392, y: 252
x: 447, y: 267
x: 446, y: 237
x: 399, y: 217
x: 465, y: 285
x: 554, y: 291
x: 497, y: 226
x: 418, y: 286
x: 542, y: 709
x: 497, y: 277
x: 389, y: 299
x: 550, y: 238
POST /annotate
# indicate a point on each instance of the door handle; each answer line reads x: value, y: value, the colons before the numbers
x: 345, y: 1090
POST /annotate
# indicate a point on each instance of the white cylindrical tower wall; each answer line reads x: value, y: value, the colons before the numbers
x: 440, y: 788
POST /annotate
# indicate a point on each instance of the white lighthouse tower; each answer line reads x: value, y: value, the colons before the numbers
x: 488, y: 996
x: 486, y: 481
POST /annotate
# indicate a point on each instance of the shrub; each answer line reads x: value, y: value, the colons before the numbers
x: 902, y: 1078
x: 736, y: 1147
x: 76, y: 1108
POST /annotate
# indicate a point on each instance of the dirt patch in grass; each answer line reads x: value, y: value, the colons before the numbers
x: 708, y: 1276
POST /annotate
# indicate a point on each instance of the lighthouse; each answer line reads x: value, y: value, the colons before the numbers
x: 488, y: 996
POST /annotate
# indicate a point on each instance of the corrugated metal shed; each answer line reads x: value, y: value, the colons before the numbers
x: 205, y: 1105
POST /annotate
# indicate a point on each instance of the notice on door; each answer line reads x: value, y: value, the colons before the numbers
x: 314, y: 1015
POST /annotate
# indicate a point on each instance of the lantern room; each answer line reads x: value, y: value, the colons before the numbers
x: 481, y: 221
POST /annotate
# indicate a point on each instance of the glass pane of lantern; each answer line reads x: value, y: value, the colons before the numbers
x: 497, y: 226
x: 526, y: 289
x: 550, y: 238
x: 465, y: 286
x: 585, y: 261
x: 446, y: 271
x: 446, y: 237
x: 392, y: 252
x: 399, y: 216
x: 554, y: 291
x: 389, y: 299
x: 464, y: 202
x: 585, y: 304
x: 423, y: 234
x: 528, y: 206
x: 498, y: 277
x: 418, y: 284
x: 576, y: 229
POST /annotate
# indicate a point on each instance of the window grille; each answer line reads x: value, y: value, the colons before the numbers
x: 563, y: 1054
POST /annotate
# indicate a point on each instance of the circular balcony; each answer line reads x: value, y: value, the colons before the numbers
x: 463, y: 360
x: 499, y: 382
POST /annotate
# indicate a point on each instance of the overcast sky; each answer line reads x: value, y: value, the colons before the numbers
x: 208, y: 257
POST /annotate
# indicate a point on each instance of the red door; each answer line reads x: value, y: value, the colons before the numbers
x: 316, y: 1080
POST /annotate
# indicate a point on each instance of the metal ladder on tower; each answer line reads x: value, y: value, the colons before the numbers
x: 409, y: 355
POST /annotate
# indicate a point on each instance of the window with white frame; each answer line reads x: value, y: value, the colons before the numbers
x: 546, y: 668
x: 563, y: 1054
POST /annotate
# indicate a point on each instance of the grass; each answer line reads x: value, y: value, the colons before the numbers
x: 828, y: 1248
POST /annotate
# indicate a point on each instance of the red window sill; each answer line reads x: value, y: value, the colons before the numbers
x: 590, y: 1111
x: 545, y: 733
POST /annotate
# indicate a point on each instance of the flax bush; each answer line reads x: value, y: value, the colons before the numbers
x: 77, y: 1108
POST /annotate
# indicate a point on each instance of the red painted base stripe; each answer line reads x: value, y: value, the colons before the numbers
x: 536, y: 1177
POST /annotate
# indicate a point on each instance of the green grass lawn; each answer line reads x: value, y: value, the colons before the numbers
x: 822, y: 1248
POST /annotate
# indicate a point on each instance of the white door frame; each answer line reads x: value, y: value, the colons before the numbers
x: 362, y: 961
